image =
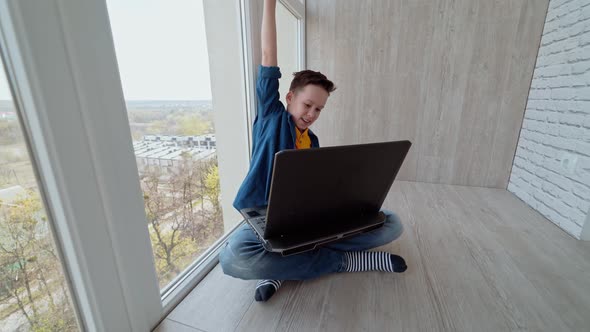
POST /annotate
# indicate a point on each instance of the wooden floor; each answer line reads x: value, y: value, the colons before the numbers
x: 478, y: 259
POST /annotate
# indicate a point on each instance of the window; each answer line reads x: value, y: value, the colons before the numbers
x: 163, y: 62
x: 34, y: 294
x: 287, y: 47
x: 290, y: 20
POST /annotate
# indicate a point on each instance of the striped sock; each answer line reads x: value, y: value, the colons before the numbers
x: 265, y: 289
x: 374, y: 261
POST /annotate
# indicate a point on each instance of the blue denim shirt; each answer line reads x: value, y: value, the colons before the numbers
x: 273, y: 131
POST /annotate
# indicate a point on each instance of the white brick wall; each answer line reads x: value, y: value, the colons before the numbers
x: 551, y: 170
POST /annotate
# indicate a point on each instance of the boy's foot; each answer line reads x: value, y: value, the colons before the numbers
x: 374, y: 261
x: 265, y: 289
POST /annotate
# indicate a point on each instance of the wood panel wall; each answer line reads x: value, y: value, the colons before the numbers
x: 452, y: 76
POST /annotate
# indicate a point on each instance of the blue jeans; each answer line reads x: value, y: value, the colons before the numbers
x: 244, y: 257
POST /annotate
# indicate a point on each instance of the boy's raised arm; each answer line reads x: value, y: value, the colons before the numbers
x: 269, y: 34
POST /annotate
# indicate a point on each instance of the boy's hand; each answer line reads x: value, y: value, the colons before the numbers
x: 269, y: 34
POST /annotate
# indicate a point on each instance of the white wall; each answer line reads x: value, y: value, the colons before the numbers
x: 551, y: 170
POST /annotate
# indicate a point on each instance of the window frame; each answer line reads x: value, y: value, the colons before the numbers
x: 297, y: 8
x: 251, y: 25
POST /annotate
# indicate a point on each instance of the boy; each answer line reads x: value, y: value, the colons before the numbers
x: 276, y: 128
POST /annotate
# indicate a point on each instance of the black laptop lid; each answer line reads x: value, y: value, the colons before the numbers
x: 332, y: 185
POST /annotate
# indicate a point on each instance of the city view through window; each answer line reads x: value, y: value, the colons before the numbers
x: 174, y: 147
x: 161, y: 50
x: 175, y: 150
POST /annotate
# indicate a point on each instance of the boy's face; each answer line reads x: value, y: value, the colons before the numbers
x: 306, y: 104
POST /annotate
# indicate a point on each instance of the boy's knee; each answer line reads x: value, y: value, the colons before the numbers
x: 231, y: 264
x: 393, y: 225
x: 236, y: 261
x: 225, y: 260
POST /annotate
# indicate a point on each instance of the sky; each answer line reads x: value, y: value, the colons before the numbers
x: 161, y: 50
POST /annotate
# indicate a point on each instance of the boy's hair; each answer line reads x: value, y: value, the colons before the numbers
x: 306, y: 77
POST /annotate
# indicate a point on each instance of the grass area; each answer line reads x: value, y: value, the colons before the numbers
x: 15, y: 167
x: 18, y: 173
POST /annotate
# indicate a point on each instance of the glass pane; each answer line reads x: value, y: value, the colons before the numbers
x: 287, y: 51
x: 163, y: 61
x: 34, y: 294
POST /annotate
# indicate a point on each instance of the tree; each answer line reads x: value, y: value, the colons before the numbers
x: 9, y: 132
x: 30, y: 270
x: 213, y: 194
x: 169, y: 210
x: 183, y: 212
x: 193, y: 124
x: 157, y: 128
x: 209, y: 225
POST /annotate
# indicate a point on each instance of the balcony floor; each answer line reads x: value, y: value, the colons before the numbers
x: 479, y: 259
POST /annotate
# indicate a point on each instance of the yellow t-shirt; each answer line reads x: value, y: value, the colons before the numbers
x: 302, y: 141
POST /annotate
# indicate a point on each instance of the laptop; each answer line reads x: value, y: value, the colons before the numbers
x: 322, y: 195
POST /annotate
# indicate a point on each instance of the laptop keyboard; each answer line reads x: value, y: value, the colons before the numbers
x: 261, y: 222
